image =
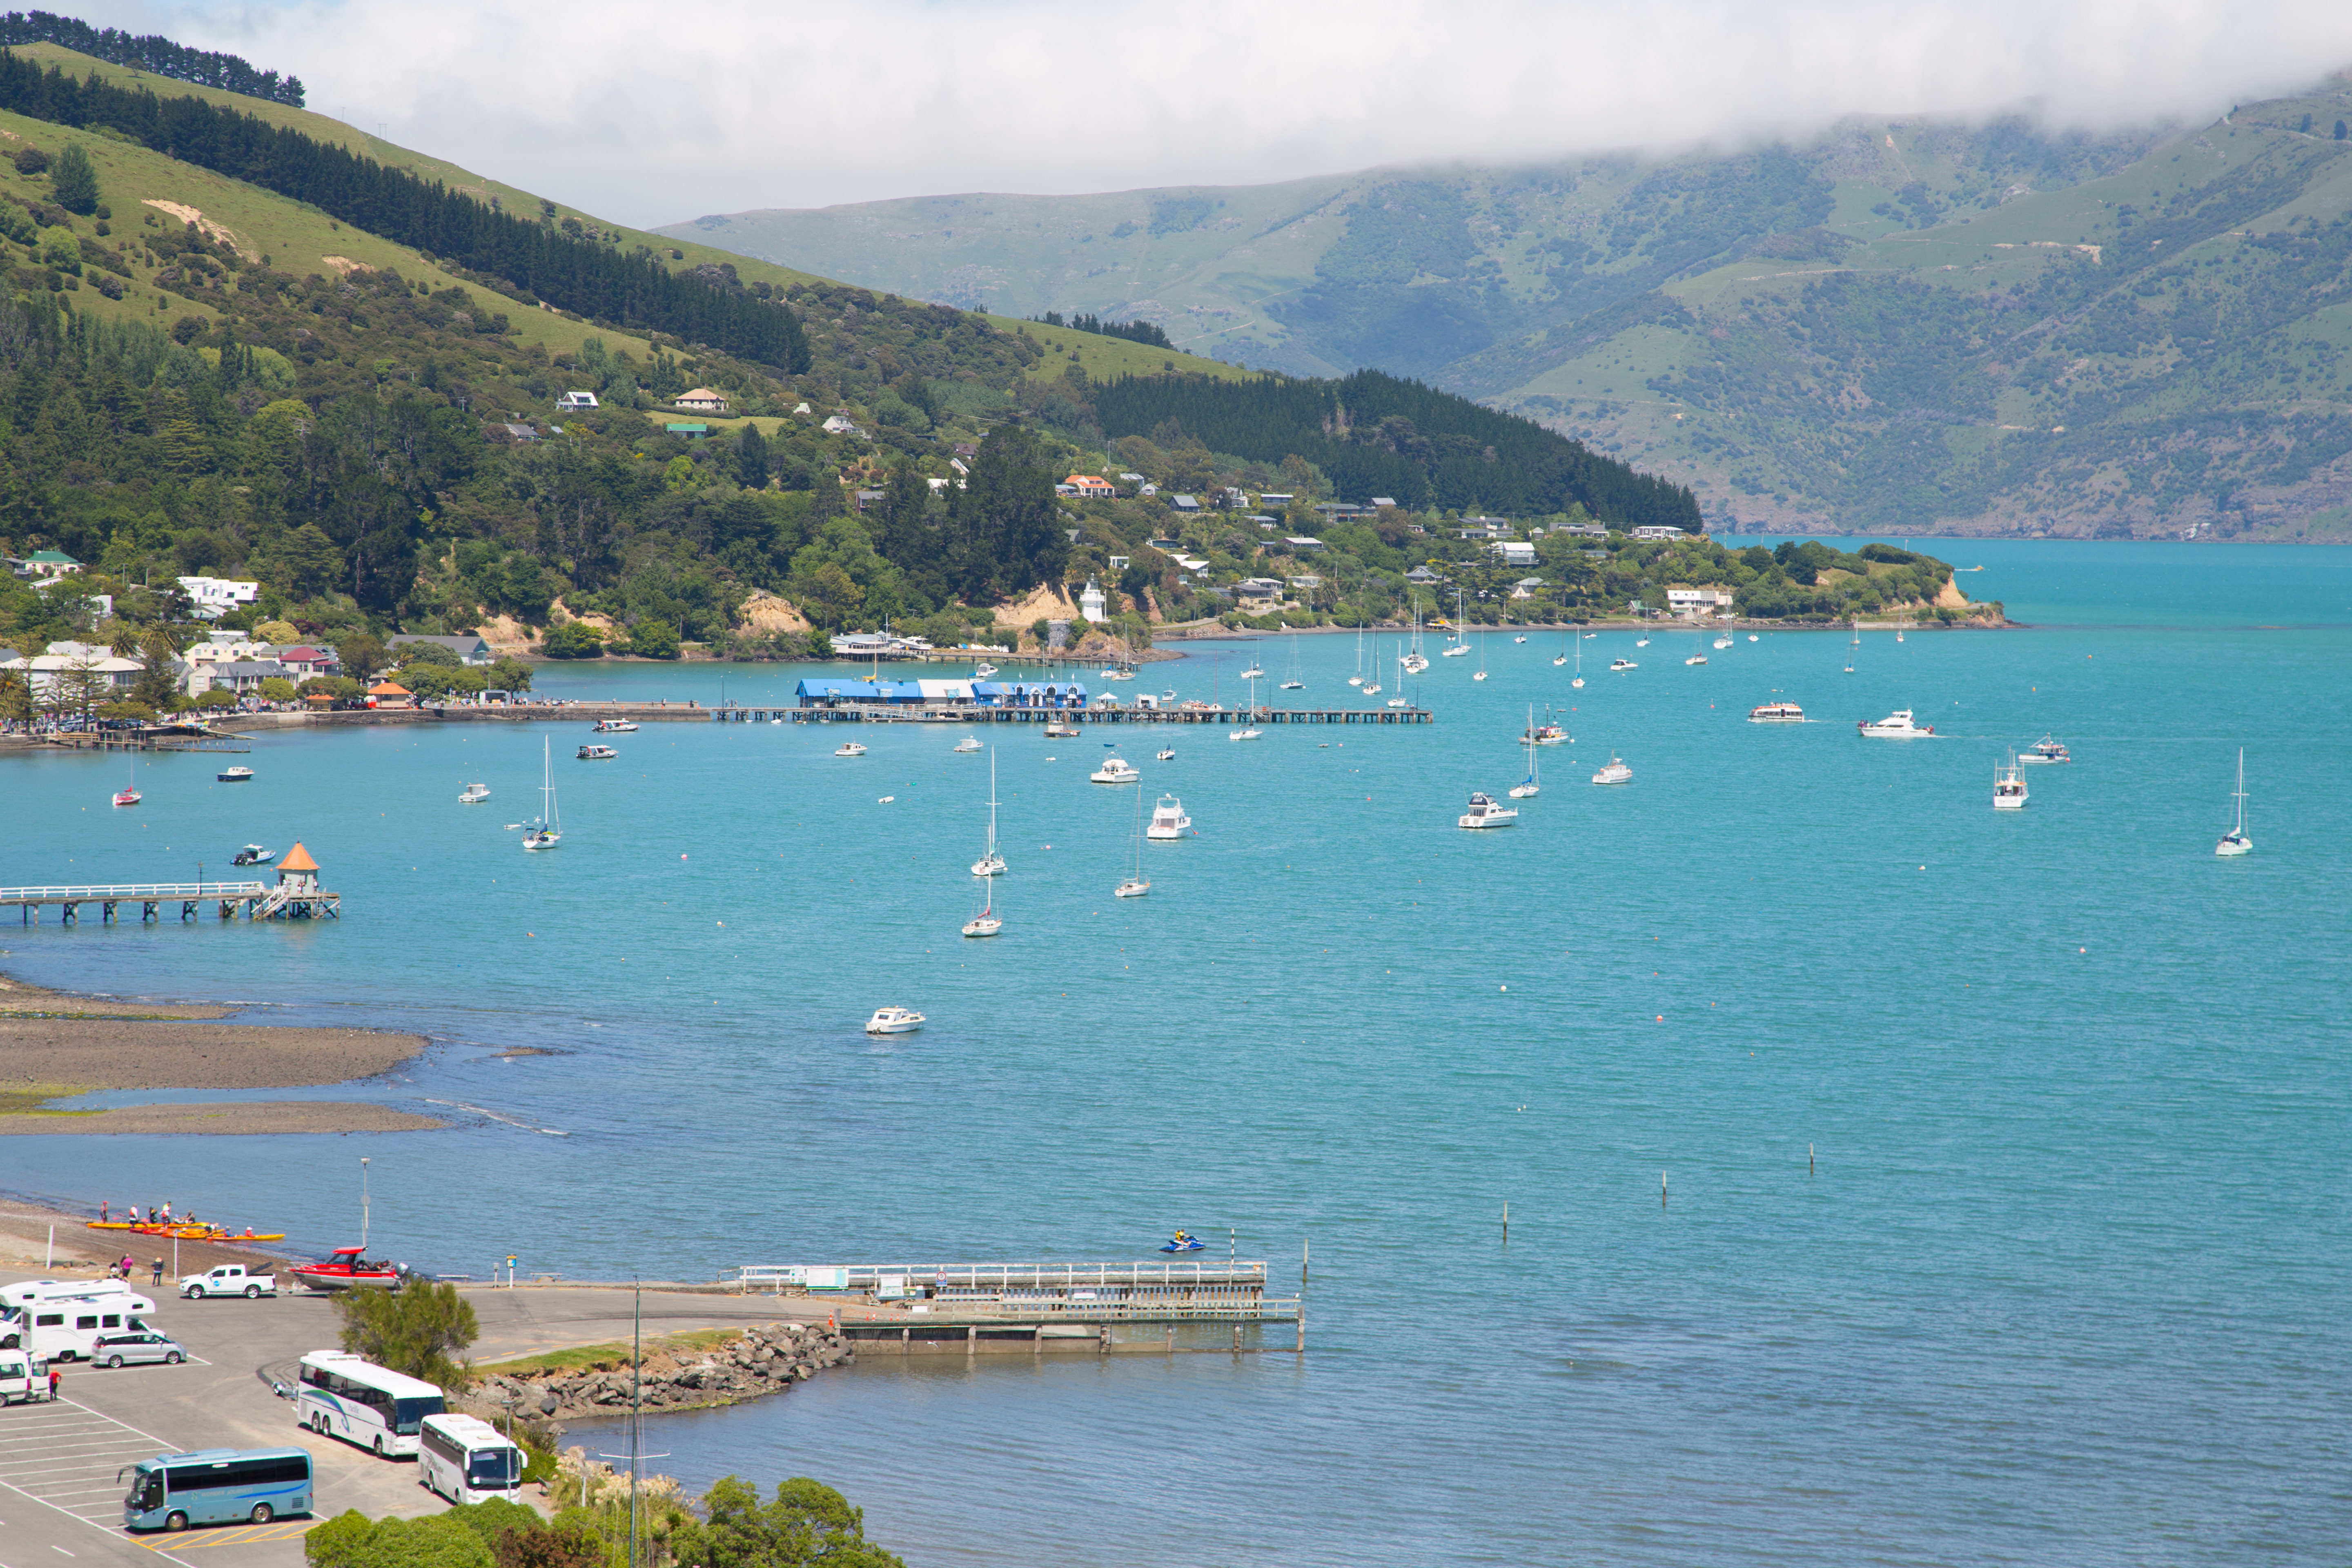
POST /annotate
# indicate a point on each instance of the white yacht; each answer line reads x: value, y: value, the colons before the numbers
x: 1295, y: 683
x: 1527, y: 787
x: 849, y: 749
x: 1895, y: 726
x: 983, y: 670
x: 2008, y: 788
x: 1248, y: 732
x: 1115, y: 769
x: 1254, y: 672
x: 1617, y: 665
x: 616, y: 726
x: 1578, y: 680
x: 1357, y: 678
x: 968, y: 744
x: 1751, y: 637
x: 2235, y: 841
x: 1482, y: 657
x: 546, y: 833
x: 1165, y: 754
x: 991, y: 864
x: 476, y: 793
x: 2048, y: 749
x: 1616, y: 773
x: 986, y: 923
x: 1776, y: 713
x: 1642, y: 641
x: 1412, y: 662
x: 1135, y: 884
x: 1723, y: 640
x: 1399, y: 700
x: 1485, y: 813
x: 894, y: 1021
x: 1169, y: 822
x: 1521, y: 638
x: 1695, y: 658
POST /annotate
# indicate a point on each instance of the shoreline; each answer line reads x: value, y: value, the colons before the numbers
x: 55, y: 1045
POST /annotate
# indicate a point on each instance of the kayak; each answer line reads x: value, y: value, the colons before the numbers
x: 202, y: 1232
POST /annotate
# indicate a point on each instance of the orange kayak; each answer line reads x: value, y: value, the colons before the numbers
x: 203, y: 1232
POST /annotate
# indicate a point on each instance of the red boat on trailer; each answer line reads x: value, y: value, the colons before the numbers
x: 349, y: 1269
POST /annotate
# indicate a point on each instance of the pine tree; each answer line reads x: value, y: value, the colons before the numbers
x: 75, y: 182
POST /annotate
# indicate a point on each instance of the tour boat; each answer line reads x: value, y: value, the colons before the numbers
x: 849, y: 749
x: 991, y: 864
x: 1616, y: 773
x: 234, y: 775
x: 1485, y: 813
x: 546, y: 833
x: 1169, y: 822
x: 2235, y: 841
x: 1776, y: 713
x: 1528, y: 786
x: 1695, y: 658
x: 1895, y: 726
x: 1165, y: 754
x: 1135, y: 884
x: 2048, y: 749
x: 253, y: 854
x: 2008, y: 788
x: 1056, y: 730
x: 968, y: 744
x: 593, y: 753
x: 1616, y: 665
x: 615, y: 726
x: 986, y: 923
x: 348, y: 1269
x: 1115, y: 769
x: 475, y: 794
x: 894, y: 1021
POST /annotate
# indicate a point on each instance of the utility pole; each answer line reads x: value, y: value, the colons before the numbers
x: 363, y: 1203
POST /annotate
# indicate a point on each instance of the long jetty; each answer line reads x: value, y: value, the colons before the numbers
x: 256, y: 901
x: 840, y: 713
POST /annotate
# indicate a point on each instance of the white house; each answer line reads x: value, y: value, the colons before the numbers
x: 43, y: 672
x: 573, y: 401
x: 1090, y: 601
x: 840, y: 425
x: 1515, y: 551
x: 214, y: 597
x: 1660, y: 531
x: 1697, y: 601
x: 701, y: 400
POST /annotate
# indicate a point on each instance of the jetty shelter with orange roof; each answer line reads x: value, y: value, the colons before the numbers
x: 390, y: 694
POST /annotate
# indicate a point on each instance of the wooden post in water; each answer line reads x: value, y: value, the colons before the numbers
x: 1506, y: 1222
x: 1809, y: 1158
x: 1662, y: 1189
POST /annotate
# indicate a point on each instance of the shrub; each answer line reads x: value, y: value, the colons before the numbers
x: 654, y: 639
x: 278, y: 689
x: 574, y: 639
x: 30, y: 160
x: 421, y: 1329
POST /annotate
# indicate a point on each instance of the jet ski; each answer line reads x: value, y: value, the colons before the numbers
x: 1181, y: 1242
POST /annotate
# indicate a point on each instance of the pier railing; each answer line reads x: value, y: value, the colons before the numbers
x: 998, y: 1279
x: 131, y: 892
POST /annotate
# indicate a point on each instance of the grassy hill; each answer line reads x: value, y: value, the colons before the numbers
x: 1898, y: 325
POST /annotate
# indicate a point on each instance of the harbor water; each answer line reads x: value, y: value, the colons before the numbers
x: 1890, y: 1181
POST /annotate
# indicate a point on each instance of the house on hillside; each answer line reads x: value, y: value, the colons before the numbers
x: 1185, y: 503
x: 1697, y: 601
x: 304, y: 661
x: 1515, y: 551
x: 45, y: 673
x: 1423, y: 576
x: 575, y: 401
x: 701, y: 400
x: 1257, y: 595
x: 50, y: 563
x: 209, y: 598
x: 840, y: 425
x: 1662, y: 530
x: 1085, y: 485
x: 471, y: 649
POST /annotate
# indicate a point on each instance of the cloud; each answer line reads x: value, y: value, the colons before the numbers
x: 647, y: 115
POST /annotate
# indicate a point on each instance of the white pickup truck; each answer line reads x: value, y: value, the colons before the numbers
x: 228, y: 1279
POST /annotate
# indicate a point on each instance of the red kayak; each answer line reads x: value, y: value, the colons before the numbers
x: 348, y: 1269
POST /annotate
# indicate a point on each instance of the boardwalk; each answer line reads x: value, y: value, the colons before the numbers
x: 256, y: 901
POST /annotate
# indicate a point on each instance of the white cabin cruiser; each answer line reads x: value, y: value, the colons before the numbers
x: 2048, y: 749
x: 894, y: 1021
x: 1485, y: 812
x: 1616, y: 773
x: 2008, y: 788
x: 1115, y: 769
x: 849, y: 749
x: 1169, y: 822
x: 1895, y: 726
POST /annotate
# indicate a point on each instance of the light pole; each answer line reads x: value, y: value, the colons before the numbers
x: 363, y: 1203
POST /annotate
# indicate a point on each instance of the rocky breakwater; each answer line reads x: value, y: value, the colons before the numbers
x: 768, y: 1359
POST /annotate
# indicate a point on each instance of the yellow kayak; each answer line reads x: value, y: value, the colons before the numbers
x: 205, y: 1232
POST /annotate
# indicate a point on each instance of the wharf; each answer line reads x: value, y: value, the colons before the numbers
x: 255, y: 900
x: 1044, y: 1299
x: 894, y: 714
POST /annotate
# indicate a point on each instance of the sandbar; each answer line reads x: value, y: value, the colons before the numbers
x: 234, y: 1116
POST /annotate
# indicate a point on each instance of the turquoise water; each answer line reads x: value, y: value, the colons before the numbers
x: 2064, y: 1285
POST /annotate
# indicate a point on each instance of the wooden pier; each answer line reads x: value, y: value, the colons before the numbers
x: 1010, y: 1293
x: 911, y: 713
x: 254, y: 901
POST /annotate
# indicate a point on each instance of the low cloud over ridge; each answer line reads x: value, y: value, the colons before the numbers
x: 649, y: 117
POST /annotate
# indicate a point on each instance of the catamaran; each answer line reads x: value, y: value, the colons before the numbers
x: 548, y: 831
x: 2235, y: 841
x: 991, y: 864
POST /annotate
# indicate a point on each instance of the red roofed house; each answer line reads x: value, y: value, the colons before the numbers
x: 390, y: 694
x: 1087, y: 484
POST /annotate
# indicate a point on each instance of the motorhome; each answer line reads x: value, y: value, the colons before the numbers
x: 68, y: 1328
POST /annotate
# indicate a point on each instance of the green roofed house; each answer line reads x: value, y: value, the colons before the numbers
x: 690, y: 431
x: 49, y: 564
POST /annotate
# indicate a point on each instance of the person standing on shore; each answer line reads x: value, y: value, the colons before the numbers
x: 159, y: 1271
x: 101, y: 1211
x: 53, y: 1385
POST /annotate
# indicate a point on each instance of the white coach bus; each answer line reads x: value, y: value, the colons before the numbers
x: 464, y: 1458
x: 345, y: 1396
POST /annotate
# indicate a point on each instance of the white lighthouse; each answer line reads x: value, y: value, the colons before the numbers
x: 1090, y: 602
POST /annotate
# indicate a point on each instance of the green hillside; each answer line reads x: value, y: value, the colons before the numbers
x: 1884, y: 328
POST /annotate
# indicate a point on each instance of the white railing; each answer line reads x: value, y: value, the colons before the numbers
x: 127, y: 892
x: 995, y: 1279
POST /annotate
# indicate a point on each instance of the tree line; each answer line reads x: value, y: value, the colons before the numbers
x: 151, y: 52
x: 1139, y: 330
x: 572, y: 272
x: 1372, y: 434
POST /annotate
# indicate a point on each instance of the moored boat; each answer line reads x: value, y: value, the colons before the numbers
x: 1486, y: 812
x: 2048, y: 749
x: 615, y: 726
x: 238, y: 774
x: 894, y: 1021
x: 1616, y: 773
x: 2008, y: 788
x: 1895, y: 726
x: 593, y: 754
x: 1169, y: 822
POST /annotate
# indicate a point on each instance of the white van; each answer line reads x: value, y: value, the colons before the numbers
x: 66, y: 1329
x: 24, y: 1377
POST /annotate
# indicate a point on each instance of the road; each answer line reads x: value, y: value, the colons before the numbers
x: 60, y: 1482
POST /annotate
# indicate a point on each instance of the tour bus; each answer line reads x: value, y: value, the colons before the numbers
x: 345, y: 1396
x: 68, y: 1328
x: 464, y: 1458
x: 218, y: 1486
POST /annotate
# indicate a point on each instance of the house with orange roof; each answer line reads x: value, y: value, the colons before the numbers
x: 390, y: 694
x: 1084, y: 485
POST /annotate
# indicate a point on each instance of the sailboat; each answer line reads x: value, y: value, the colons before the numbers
x: 1414, y: 661
x: 1373, y: 688
x: 1578, y: 681
x: 993, y: 863
x: 1357, y: 678
x: 1254, y: 672
x: 1248, y: 732
x: 2235, y: 841
x: 1528, y: 786
x: 1294, y: 683
x: 129, y: 793
x: 1563, y: 652
x: 1722, y: 641
x: 548, y: 831
x: 986, y: 923
x: 1482, y: 657
x: 1136, y: 885
x: 1854, y: 647
x: 1460, y: 647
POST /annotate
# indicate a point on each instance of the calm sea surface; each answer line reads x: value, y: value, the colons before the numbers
x: 2066, y: 1283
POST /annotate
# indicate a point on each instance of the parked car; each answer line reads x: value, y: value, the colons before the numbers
x: 228, y: 1279
x: 122, y: 1350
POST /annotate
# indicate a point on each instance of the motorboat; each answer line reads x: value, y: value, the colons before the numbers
x: 1165, y: 754
x: 1618, y: 665
x: 983, y: 670
x: 894, y: 1021
x: 1169, y: 822
x: 2048, y: 749
x: 348, y: 1268
x: 616, y: 726
x: 234, y: 775
x: 1616, y: 773
x: 968, y: 744
x: 1895, y: 726
x: 1751, y: 637
x: 991, y: 861
x: 546, y: 833
x: 1486, y: 812
x: 1169, y: 695
x: 253, y: 854
x: 2235, y: 841
x: 1115, y: 769
x: 1058, y: 729
x: 1521, y: 638
x: 1248, y: 732
x: 1776, y: 713
x: 986, y: 923
x: 849, y: 749
x: 593, y: 754
x: 474, y: 794
x: 1695, y: 658
x: 2008, y: 788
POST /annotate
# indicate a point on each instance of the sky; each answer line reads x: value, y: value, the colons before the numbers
x: 650, y: 114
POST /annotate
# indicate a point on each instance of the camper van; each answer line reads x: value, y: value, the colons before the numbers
x: 24, y: 1377
x: 68, y: 1328
x: 24, y: 1292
